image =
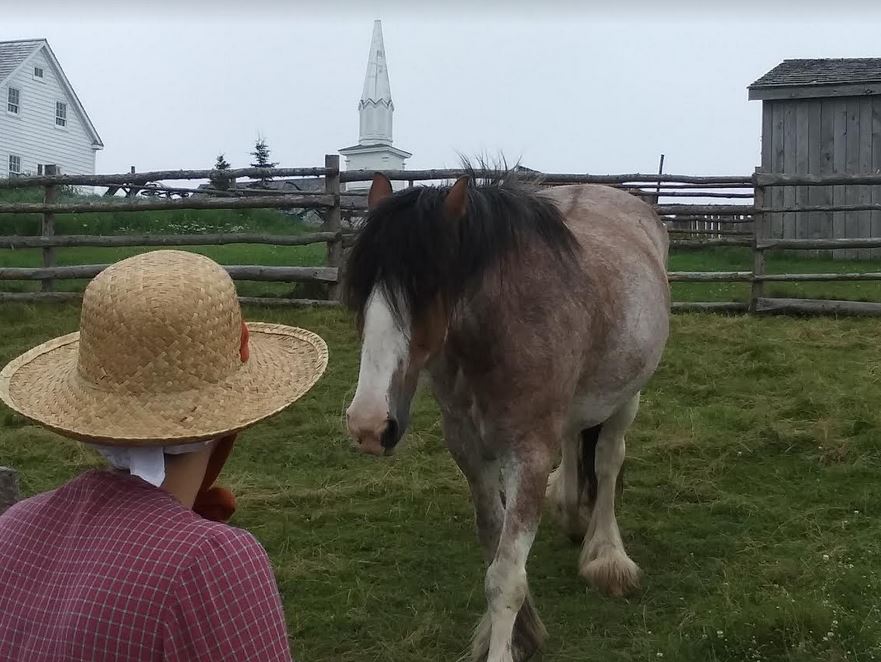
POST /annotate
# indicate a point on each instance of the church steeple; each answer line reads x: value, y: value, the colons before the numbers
x: 375, y: 150
x: 376, y: 107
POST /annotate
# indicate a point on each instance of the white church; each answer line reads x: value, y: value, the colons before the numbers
x: 375, y: 149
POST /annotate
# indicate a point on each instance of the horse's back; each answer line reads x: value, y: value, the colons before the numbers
x: 611, y: 218
x: 624, y: 253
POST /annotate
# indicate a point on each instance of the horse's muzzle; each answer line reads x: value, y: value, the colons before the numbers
x: 376, y: 440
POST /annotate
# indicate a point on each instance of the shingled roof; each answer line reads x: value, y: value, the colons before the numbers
x: 13, y: 53
x: 800, y: 73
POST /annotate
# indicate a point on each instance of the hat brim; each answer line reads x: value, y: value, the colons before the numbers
x: 44, y: 386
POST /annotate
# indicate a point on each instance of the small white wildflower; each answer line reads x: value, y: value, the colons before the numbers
x: 825, y: 557
x: 719, y: 633
x: 660, y: 654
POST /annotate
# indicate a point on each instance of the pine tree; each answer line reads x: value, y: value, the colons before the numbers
x: 261, y: 158
x: 219, y: 181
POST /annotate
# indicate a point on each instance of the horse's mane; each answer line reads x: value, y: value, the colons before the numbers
x: 409, y: 248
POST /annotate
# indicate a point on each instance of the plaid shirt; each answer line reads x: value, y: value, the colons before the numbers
x: 108, y: 567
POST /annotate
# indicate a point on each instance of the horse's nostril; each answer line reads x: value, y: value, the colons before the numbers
x: 390, y: 435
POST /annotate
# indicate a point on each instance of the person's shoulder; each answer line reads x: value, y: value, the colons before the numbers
x: 227, y: 559
x: 227, y: 542
x: 26, y: 506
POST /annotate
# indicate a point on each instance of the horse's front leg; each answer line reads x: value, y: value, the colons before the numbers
x: 515, y: 631
x: 482, y: 473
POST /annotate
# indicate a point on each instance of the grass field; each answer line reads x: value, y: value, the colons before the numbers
x: 741, y: 259
x: 169, y: 222
x: 751, y: 503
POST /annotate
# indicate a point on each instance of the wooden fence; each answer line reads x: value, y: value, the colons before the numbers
x: 9, y: 490
x: 740, y: 221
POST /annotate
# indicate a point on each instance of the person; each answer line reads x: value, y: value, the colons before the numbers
x: 134, y: 562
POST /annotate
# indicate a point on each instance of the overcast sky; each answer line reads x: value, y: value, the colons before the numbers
x: 565, y: 86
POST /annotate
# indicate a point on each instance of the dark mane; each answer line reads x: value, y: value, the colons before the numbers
x: 409, y: 248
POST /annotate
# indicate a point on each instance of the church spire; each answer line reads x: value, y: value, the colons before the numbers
x: 376, y: 107
x: 375, y: 150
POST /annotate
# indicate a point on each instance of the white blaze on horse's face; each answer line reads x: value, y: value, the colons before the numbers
x: 377, y: 417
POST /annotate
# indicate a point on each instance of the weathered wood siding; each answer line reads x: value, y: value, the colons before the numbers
x: 823, y: 136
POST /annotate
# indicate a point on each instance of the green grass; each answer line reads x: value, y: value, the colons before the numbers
x: 740, y: 259
x: 167, y: 222
x: 751, y: 503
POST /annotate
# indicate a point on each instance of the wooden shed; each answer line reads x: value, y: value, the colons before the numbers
x: 822, y: 117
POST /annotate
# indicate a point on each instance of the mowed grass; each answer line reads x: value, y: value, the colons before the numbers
x: 778, y: 262
x: 265, y: 221
x: 752, y: 503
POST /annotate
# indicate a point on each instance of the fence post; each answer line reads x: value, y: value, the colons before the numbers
x: 759, y: 231
x: 50, y: 195
x: 333, y: 222
x: 8, y: 488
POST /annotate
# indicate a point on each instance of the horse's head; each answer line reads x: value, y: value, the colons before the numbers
x: 396, y: 285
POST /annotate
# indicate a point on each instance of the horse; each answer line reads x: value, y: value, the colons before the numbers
x: 539, y: 315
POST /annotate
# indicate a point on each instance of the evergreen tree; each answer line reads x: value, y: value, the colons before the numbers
x: 219, y: 181
x: 261, y: 158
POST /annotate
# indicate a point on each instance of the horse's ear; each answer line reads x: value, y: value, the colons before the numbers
x: 380, y: 189
x: 457, y: 198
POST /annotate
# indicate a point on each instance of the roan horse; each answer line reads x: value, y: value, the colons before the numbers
x: 539, y: 315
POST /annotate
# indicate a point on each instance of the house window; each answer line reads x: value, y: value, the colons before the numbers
x: 13, y: 100
x: 14, y: 165
x: 38, y: 73
x: 47, y: 169
x: 60, y: 113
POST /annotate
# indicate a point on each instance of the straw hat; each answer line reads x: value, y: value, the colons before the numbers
x: 162, y: 357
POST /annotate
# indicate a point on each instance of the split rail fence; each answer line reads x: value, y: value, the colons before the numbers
x: 742, y: 220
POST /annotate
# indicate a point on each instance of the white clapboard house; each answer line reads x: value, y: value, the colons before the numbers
x: 42, y: 122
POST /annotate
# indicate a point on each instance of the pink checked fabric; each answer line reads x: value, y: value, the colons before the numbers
x: 108, y: 567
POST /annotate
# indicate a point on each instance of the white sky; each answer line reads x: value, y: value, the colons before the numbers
x: 564, y: 86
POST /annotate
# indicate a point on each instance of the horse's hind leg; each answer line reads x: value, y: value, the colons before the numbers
x: 603, y: 562
x: 572, y: 485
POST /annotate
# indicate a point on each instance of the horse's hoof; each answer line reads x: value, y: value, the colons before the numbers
x: 612, y: 572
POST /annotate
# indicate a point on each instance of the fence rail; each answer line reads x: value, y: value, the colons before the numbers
x: 160, y: 175
x: 115, y: 241
x: 236, y: 272
x: 66, y: 297
x: 691, y: 225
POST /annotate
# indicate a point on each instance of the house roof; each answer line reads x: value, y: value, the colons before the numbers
x: 14, y: 54
x: 801, y: 73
